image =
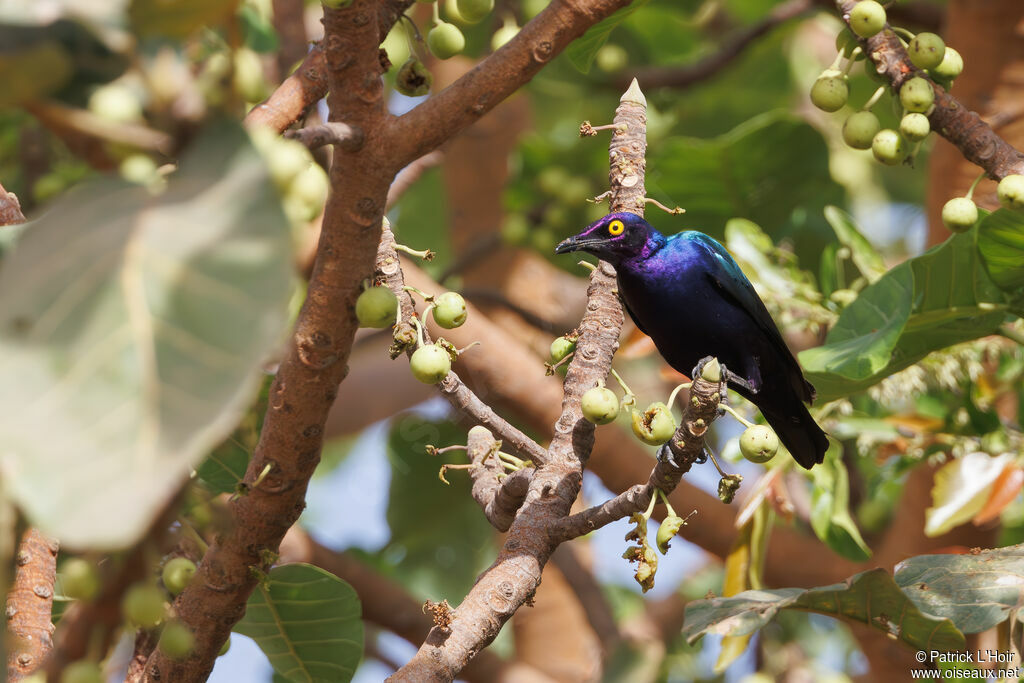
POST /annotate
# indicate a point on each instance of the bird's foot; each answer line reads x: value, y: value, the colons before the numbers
x: 665, y: 455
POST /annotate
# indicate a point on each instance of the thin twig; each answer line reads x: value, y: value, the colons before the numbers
x: 410, y: 174
x: 452, y: 388
x: 685, y: 76
x: 330, y: 133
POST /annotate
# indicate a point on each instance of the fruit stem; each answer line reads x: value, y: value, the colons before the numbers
x: 434, y: 450
x: 837, y: 61
x: 668, y: 505
x: 511, y: 461
x: 419, y: 331
x: 412, y: 35
x: 467, y: 347
x: 675, y: 392
x: 625, y: 387
x: 424, y: 254
x: 732, y: 411
x: 426, y: 297
x: 437, y: 13
x: 902, y: 33
x: 714, y: 460
x: 650, y: 508
x: 446, y: 467
x: 588, y: 265
x: 874, y: 98
x: 970, y: 192
x: 189, y: 532
x: 550, y: 369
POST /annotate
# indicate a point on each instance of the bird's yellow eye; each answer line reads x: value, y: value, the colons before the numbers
x: 616, y: 228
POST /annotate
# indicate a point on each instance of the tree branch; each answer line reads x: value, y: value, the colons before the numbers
x: 975, y: 139
x: 30, y: 604
x: 733, y: 47
x: 306, y: 382
x: 498, y: 76
x: 688, y: 443
x: 308, y: 84
x: 340, y: 134
x: 513, y: 578
x: 452, y: 388
x: 499, y: 497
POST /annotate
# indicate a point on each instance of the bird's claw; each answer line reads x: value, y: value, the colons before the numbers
x: 665, y: 455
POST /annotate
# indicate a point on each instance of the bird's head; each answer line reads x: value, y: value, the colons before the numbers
x: 615, y: 238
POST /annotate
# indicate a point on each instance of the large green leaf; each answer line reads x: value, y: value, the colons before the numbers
x: 762, y: 170
x: 132, y: 329
x: 1001, y: 243
x: 581, y: 51
x: 927, y: 303
x: 975, y: 591
x: 440, y: 558
x: 871, y: 597
x: 830, y: 507
x: 308, y: 623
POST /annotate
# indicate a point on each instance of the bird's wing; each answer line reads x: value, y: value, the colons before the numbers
x: 729, y: 279
x: 636, y: 321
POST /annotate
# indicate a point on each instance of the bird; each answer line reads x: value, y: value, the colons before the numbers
x: 688, y: 294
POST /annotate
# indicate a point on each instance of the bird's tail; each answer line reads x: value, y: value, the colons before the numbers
x: 798, y: 431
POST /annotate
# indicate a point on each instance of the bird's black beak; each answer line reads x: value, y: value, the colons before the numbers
x: 568, y: 245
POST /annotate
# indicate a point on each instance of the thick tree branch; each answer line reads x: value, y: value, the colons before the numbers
x: 499, y: 496
x: 498, y: 76
x: 975, y: 139
x: 513, y: 578
x: 308, y: 84
x: 30, y: 604
x: 307, y: 380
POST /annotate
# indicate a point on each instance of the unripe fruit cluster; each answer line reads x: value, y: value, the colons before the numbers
x: 862, y: 129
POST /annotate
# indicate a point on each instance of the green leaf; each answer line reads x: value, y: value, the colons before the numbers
x: 871, y: 597
x: 863, y: 253
x: 444, y: 557
x: 177, y: 20
x: 975, y: 591
x: 581, y: 51
x: 927, y: 303
x: 257, y: 30
x: 1001, y: 243
x: 308, y: 623
x: 762, y: 170
x: 224, y: 469
x: 132, y: 329
x: 830, y: 507
x: 961, y: 489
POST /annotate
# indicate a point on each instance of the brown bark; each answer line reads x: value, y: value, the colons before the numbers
x: 307, y: 380
x: 10, y: 208
x: 988, y: 38
x: 30, y: 603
